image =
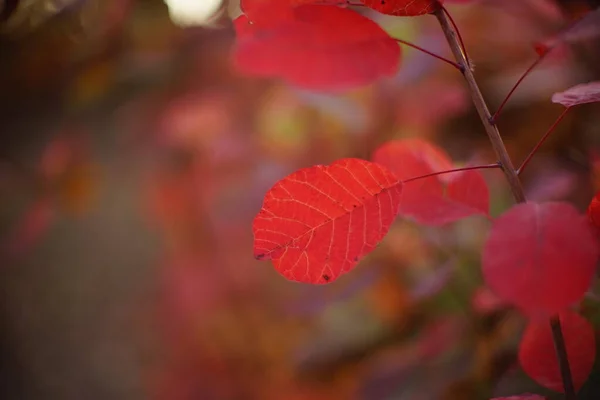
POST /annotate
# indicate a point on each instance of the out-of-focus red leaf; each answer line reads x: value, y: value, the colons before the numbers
x: 540, y: 257
x: 526, y: 396
x: 318, y: 222
x: 537, y: 353
x: 485, y: 301
x: 586, y: 28
x: 403, y: 8
x: 320, y: 48
x: 580, y: 94
x: 593, y: 210
x: 435, y: 200
x: 30, y: 228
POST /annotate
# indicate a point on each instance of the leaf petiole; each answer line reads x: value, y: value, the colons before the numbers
x: 516, y: 85
x: 448, y: 171
x: 414, y: 46
x: 542, y: 140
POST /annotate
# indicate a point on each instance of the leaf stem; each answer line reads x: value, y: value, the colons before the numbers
x: 542, y: 140
x: 414, y: 46
x: 482, y: 109
x: 449, y: 171
x: 460, y: 39
x: 516, y: 85
x: 511, y: 176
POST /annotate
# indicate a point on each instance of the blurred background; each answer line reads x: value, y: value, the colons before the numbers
x: 134, y: 157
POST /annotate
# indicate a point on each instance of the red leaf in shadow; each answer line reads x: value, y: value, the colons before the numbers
x: 403, y: 8
x: 435, y: 200
x: 537, y: 354
x: 540, y: 257
x: 579, y: 94
x: 320, y: 48
x: 317, y: 223
x: 593, y: 210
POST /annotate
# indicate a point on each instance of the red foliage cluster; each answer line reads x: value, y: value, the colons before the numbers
x: 319, y: 222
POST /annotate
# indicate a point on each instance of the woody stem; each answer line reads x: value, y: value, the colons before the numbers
x: 509, y: 172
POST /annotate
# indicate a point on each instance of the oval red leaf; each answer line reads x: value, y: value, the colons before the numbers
x: 435, y: 200
x: 580, y: 94
x: 317, y: 223
x: 320, y: 48
x: 404, y: 8
x: 540, y: 257
x: 537, y: 353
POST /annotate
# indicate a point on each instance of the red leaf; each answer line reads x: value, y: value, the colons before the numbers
x: 540, y: 257
x: 525, y: 396
x: 435, y: 200
x: 586, y: 28
x: 537, y: 353
x: 317, y: 223
x: 580, y: 94
x: 403, y: 7
x: 593, y: 210
x: 320, y: 48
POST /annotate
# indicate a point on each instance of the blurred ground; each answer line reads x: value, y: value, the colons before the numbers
x: 133, y: 159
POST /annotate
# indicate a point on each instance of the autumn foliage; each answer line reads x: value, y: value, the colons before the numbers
x: 317, y: 223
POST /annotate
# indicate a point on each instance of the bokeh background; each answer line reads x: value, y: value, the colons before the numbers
x: 133, y: 158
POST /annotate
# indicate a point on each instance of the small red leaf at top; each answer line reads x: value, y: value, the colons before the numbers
x: 404, y: 8
x: 525, y: 396
x: 540, y: 257
x: 434, y: 200
x: 317, y: 223
x: 593, y: 210
x: 580, y: 94
x: 537, y: 354
x: 320, y: 48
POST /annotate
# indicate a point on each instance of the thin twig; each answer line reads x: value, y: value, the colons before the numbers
x: 516, y: 85
x: 542, y: 140
x: 414, y: 46
x: 482, y: 109
x: 511, y: 176
x: 449, y: 171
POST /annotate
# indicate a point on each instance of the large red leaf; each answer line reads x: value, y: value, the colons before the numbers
x: 537, y: 353
x: 435, y: 200
x: 403, y: 7
x: 318, y: 222
x: 320, y: 48
x: 580, y: 94
x: 540, y: 257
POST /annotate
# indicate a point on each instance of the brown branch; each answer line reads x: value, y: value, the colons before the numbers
x: 511, y: 176
x: 482, y: 109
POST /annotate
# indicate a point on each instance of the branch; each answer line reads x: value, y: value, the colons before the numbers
x: 482, y: 109
x: 563, y: 358
x: 449, y: 171
x: 511, y: 176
